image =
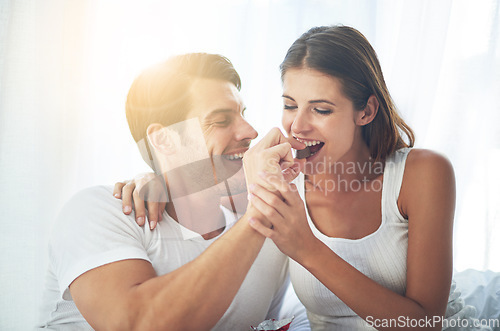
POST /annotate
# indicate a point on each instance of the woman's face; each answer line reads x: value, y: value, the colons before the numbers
x: 317, y: 113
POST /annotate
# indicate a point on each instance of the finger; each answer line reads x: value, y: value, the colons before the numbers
x: 289, y: 192
x: 265, y: 209
x: 295, y: 143
x: 127, y: 192
x: 259, y: 227
x: 140, y: 209
x: 278, y: 202
x: 289, y: 174
x: 152, y: 188
x: 270, y: 198
x: 292, y: 196
x: 163, y: 205
x: 258, y: 215
x: 161, y: 209
x: 145, y: 177
x: 282, y: 152
x: 152, y: 223
x: 152, y: 214
x: 273, y: 182
x: 117, y: 190
x: 275, y: 137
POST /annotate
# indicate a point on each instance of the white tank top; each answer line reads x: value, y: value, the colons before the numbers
x: 380, y: 255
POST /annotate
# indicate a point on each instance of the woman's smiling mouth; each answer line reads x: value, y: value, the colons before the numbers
x: 312, y: 147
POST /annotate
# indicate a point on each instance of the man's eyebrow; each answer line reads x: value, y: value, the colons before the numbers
x: 224, y: 110
x: 219, y: 111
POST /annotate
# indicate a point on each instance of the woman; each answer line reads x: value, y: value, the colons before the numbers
x: 369, y: 222
x: 373, y: 243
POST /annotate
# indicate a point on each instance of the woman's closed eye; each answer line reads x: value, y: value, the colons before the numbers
x: 287, y: 107
x: 322, y: 111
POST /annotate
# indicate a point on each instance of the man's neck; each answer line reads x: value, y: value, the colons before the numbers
x: 198, y: 213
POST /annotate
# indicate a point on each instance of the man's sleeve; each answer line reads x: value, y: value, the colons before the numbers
x: 91, y: 231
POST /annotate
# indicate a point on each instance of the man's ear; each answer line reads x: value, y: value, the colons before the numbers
x: 367, y: 115
x: 162, y: 140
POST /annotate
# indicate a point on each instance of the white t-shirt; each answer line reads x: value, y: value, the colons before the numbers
x: 92, y: 230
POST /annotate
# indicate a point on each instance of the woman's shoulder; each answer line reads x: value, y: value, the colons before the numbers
x: 428, y: 175
x: 427, y: 162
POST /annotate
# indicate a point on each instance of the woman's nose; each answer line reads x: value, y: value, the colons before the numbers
x: 300, y: 123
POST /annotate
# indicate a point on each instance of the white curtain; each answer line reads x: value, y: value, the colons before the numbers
x: 65, y: 68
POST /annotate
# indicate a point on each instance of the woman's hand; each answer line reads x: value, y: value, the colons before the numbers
x: 273, y: 154
x: 290, y: 230
x: 145, y: 187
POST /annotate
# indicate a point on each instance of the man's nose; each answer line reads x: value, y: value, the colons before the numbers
x: 244, y: 131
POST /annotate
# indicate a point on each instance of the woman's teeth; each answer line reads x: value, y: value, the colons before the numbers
x: 312, y: 147
x: 309, y: 142
x: 312, y: 143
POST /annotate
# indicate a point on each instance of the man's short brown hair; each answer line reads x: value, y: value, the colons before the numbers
x: 161, y: 93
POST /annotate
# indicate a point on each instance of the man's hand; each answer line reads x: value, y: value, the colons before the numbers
x: 272, y: 155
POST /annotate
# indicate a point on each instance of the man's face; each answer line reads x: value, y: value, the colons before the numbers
x: 219, y: 107
x: 205, y: 150
x: 202, y: 155
x: 218, y: 128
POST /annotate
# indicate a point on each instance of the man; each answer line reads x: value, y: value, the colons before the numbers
x: 197, y: 270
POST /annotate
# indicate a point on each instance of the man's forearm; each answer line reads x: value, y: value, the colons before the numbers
x: 196, y: 295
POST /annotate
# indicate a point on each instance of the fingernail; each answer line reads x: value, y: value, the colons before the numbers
x: 116, y: 195
x: 152, y: 224
x: 127, y: 209
x: 140, y: 220
x: 251, y: 221
x: 250, y: 196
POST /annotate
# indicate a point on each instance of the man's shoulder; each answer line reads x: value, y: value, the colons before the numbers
x: 98, y: 192
x: 90, y: 210
x: 90, y: 231
x: 92, y: 199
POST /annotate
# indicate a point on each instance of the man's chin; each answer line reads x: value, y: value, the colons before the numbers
x: 236, y: 202
x: 235, y: 185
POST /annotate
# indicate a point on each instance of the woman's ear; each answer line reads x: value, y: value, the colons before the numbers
x: 367, y: 115
x: 162, y: 139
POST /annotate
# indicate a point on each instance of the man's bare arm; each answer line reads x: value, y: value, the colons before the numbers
x: 127, y: 295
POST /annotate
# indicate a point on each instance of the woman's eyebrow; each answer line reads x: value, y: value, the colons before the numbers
x: 311, y: 101
x: 322, y: 101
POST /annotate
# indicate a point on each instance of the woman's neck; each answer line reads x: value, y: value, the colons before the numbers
x: 350, y: 173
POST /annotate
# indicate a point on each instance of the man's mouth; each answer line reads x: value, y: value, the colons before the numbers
x: 312, y: 147
x: 235, y: 156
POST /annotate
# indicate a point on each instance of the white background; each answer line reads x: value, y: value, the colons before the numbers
x: 65, y: 69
